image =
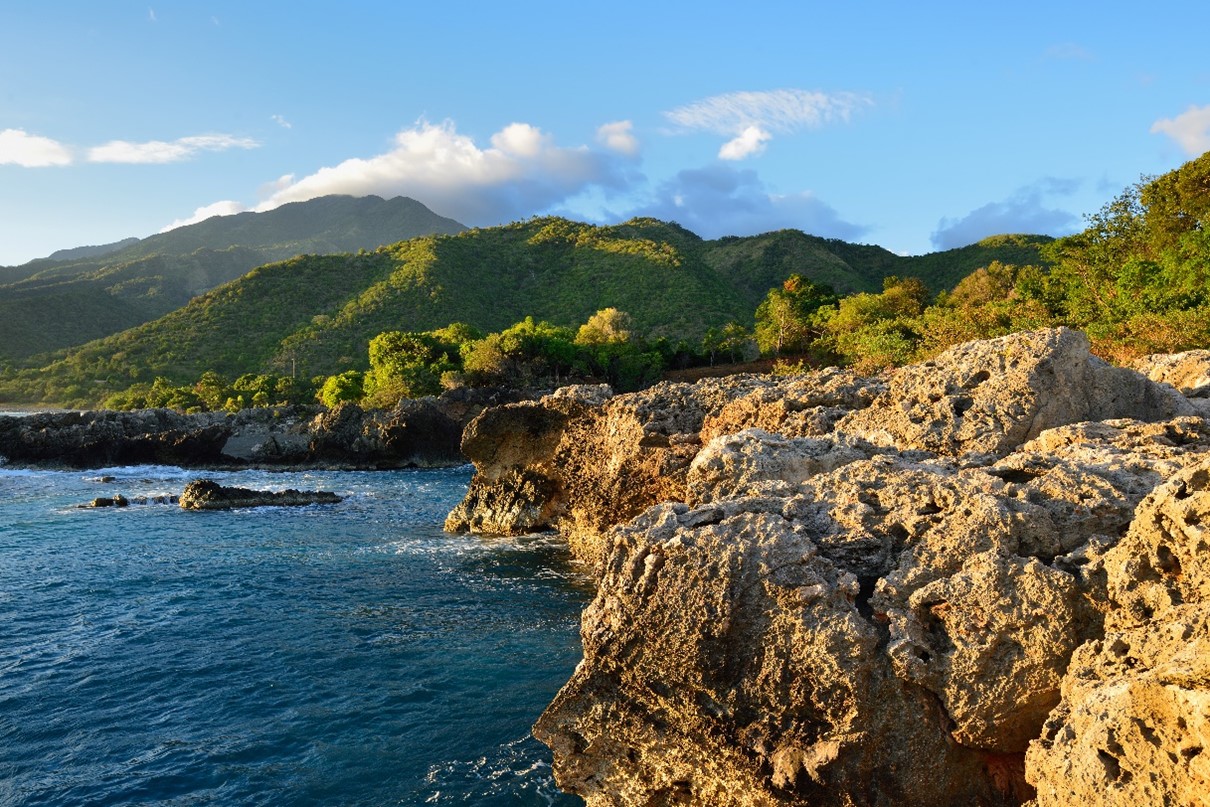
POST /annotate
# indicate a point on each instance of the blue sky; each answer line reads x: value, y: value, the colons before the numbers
x: 916, y: 126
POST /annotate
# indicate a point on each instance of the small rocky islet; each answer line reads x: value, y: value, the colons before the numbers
x: 979, y: 580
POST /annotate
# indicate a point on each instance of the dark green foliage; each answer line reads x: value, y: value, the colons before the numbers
x: 527, y: 355
x: 316, y: 315
x: 943, y: 270
x: 89, y: 293
x: 409, y: 365
x: 212, y: 393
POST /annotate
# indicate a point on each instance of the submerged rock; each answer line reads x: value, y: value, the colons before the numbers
x: 205, y: 494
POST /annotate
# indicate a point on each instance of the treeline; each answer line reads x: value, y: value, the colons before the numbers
x: 411, y: 364
x: 1136, y: 280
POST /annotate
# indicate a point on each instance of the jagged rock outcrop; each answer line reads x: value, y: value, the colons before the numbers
x: 902, y: 597
x: 988, y: 397
x: 1133, y: 727
x: 1188, y: 372
x: 423, y: 432
x: 206, y: 494
x: 614, y: 456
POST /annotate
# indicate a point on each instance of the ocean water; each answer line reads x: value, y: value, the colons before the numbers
x: 348, y: 654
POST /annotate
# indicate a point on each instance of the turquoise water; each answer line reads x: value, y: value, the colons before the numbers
x: 348, y: 654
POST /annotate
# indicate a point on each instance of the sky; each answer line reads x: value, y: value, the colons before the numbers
x: 916, y: 126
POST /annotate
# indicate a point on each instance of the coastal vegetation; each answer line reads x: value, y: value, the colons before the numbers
x: 547, y: 301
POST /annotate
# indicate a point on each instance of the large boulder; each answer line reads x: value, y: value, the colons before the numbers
x: 727, y: 661
x: 1188, y: 372
x: 1134, y: 722
x: 986, y: 398
x: 905, y: 611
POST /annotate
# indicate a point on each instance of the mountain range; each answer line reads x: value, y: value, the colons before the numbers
x: 80, y: 294
x: 201, y: 298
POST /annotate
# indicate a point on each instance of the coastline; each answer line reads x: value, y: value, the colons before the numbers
x: 924, y: 588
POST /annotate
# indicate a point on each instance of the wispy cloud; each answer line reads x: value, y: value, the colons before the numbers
x: 162, y: 151
x: 751, y: 119
x: 151, y: 15
x: 18, y: 147
x: 1190, y: 129
x: 619, y: 136
x: 522, y: 171
x: 281, y: 121
x: 1029, y: 209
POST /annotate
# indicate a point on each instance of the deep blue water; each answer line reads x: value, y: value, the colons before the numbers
x: 348, y: 654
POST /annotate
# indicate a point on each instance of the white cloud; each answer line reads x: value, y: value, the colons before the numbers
x: 779, y: 110
x: 740, y: 115
x: 161, y: 151
x: 750, y: 141
x: 522, y: 172
x: 720, y: 200
x: 18, y: 147
x: 224, y: 208
x: 281, y: 121
x: 1190, y: 129
x: 1027, y: 210
x: 619, y: 136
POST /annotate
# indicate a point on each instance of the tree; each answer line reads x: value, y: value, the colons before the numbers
x: 527, y: 354
x: 405, y: 364
x: 785, y: 320
x: 338, y: 389
x: 607, y: 326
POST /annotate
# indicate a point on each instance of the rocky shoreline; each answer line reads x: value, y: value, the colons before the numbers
x: 982, y: 580
x: 417, y: 433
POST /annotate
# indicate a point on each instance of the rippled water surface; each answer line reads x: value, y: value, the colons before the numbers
x: 349, y: 654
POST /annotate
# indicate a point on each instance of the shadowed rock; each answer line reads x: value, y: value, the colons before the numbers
x: 205, y: 494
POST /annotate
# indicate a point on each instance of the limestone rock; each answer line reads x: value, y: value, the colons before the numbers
x: 1135, y: 715
x: 1164, y: 561
x: 779, y: 642
x: 727, y: 662
x: 754, y: 461
x: 799, y: 406
x: 595, y: 459
x: 986, y: 398
x: 205, y: 494
x: 1189, y: 372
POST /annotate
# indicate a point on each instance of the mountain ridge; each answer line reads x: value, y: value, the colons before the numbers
x: 107, y: 291
x: 315, y: 314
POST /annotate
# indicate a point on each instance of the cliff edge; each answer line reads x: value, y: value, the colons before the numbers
x: 978, y: 580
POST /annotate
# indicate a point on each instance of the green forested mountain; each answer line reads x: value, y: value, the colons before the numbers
x: 314, y: 315
x: 85, y: 293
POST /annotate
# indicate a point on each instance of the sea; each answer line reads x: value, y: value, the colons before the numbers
x: 347, y: 654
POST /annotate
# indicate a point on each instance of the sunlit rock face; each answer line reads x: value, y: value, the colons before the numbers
x: 912, y: 596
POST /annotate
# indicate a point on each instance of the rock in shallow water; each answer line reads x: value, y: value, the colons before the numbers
x: 205, y: 494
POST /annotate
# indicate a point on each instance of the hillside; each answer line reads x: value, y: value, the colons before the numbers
x: 314, y: 315
x: 90, y: 292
